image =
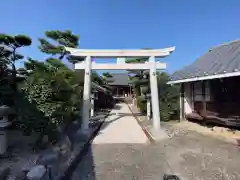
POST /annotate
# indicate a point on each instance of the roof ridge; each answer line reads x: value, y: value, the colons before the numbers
x: 225, y: 44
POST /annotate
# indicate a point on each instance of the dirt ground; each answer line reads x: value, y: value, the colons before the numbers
x: 221, y: 133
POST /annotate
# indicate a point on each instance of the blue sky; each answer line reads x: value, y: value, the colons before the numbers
x: 192, y: 26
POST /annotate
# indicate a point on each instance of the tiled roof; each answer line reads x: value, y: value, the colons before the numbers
x: 99, y: 88
x: 218, y: 60
x: 121, y: 79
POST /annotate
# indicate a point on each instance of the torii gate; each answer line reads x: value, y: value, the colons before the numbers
x: 151, y: 65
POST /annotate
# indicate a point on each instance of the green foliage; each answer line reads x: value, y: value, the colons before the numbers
x: 168, y: 95
x: 107, y: 78
x: 8, y: 48
x: 107, y: 74
x: 61, y: 39
x: 140, y: 82
x: 6, y: 91
x: 97, y: 79
x: 136, y: 74
x: 142, y: 103
x: 15, y: 41
x: 168, y: 98
x: 48, y: 94
x: 53, y: 90
x: 8, y: 72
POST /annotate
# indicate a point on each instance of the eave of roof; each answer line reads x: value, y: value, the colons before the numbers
x: 99, y: 88
x: 217, y: 76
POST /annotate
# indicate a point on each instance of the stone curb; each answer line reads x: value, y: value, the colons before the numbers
x: 146, y: 132
x: 70, y: 169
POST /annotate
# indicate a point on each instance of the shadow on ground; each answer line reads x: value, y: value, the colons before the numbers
x: 117, y: 107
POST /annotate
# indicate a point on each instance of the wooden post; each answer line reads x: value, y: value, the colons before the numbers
x: 204, y: 98
x: 182, y: 111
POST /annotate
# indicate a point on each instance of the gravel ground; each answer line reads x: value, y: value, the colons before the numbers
x: 189, y: 155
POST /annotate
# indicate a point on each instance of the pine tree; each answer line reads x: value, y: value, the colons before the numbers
x: 9, y: 46
x: 54, y: 89
x: 168, y: 95
x: 140, y: 82
x: 61, y: 39
x: 107, y: 75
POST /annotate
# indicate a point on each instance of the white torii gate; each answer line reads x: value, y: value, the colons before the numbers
x: 121, y: 65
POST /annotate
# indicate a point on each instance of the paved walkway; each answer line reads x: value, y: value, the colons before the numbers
x: 121, y: 127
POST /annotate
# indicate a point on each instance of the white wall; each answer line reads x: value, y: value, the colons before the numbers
x: 188, y: 99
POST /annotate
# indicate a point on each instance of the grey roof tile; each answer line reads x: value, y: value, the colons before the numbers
x: 219, y: 60
x: 121, y: 79
x: 99, y: 88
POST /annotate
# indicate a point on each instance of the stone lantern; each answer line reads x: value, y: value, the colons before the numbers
x: 148, y: 97
x: 94, y: 96
x: 4, y: 123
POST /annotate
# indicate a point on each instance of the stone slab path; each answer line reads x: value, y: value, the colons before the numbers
x: 121, y: 127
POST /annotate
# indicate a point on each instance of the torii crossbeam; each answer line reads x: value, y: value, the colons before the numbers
x: 152, y: 65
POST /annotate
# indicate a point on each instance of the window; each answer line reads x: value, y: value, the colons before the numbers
x: 198, y: 91
x: 198, y: 96
x: 207, y: 91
